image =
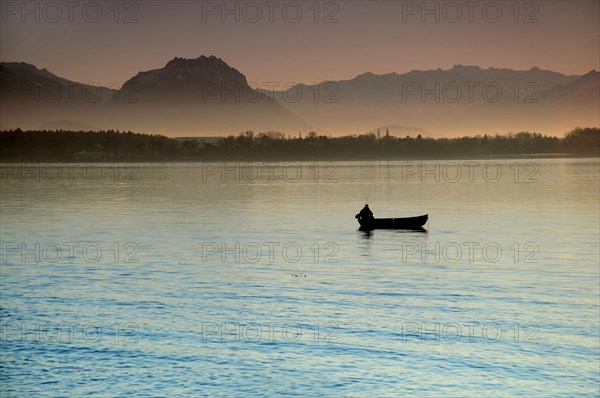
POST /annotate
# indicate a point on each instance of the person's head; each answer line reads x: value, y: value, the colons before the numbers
x: 366, y: 206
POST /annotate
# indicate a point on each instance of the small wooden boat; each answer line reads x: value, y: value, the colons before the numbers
x: 416, y: 223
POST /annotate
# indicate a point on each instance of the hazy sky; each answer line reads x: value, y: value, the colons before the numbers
x: 290, y: 42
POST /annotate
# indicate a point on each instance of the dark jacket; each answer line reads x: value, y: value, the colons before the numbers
x: 365, y: 213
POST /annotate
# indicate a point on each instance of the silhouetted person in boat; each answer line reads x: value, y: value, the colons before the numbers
x: 365, y: 214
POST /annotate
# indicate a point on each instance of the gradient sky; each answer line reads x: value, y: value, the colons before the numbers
x: 375, y: 36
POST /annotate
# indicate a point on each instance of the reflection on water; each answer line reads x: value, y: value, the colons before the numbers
x: 179, y: 282
x: 402, y: 233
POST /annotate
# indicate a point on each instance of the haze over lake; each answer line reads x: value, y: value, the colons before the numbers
x: 229, y: 279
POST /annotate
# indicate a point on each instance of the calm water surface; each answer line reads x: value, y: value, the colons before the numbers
x: 252, y: 279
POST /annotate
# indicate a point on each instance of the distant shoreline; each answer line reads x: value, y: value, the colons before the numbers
x: 17, y: 146
x: 542, y: 156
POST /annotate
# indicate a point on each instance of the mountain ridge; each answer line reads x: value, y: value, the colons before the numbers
x: 184, y: 96
x: 205, y: 95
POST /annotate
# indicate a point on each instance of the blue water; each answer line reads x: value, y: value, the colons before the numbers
x: 252, y: 280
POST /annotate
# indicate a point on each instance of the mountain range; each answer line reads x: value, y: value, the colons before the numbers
x: 206, y: 96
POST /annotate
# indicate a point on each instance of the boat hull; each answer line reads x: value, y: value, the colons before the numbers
x: 393, y: 223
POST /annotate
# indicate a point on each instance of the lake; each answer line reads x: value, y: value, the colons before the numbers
x: 233, y: 279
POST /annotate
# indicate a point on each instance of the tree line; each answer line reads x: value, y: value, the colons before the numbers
x: 110, y: 145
